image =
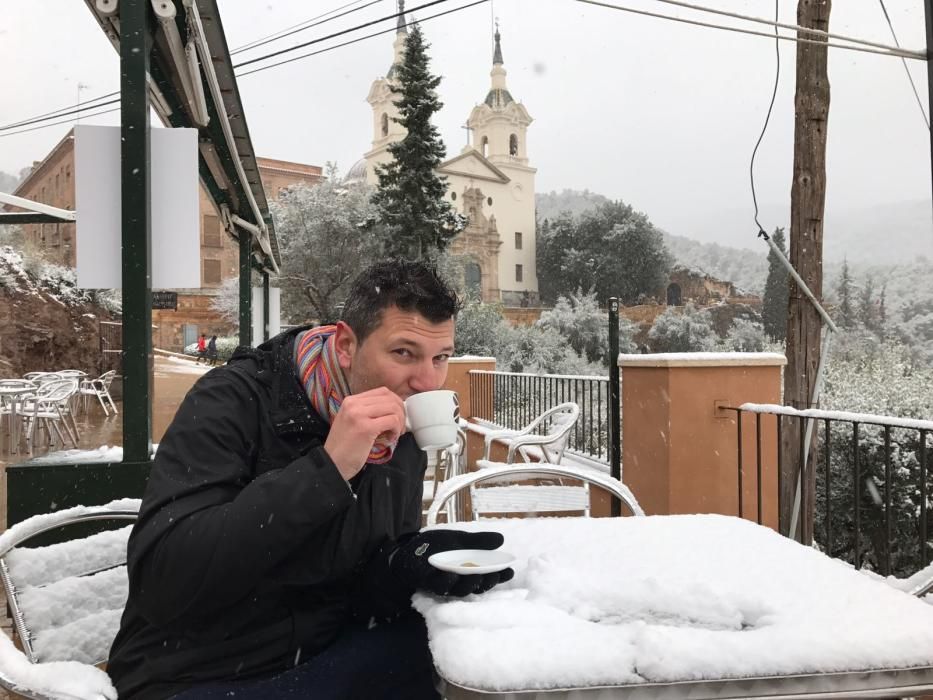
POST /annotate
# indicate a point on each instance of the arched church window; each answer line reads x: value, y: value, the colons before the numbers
x: 513, y: 145
x: 385, y: 124
x: 485, y: 146
x: 489, y: 201
x: 453, y: 196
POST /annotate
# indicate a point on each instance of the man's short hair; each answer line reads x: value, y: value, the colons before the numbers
x: 410, y: 286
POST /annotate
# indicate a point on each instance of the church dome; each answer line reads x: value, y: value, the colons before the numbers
x: 357, y: 173
x: 497, y: 98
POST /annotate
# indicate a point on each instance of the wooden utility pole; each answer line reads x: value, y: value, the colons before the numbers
x: 808, y: 197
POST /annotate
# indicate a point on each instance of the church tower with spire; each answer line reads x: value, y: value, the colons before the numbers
x: 381, y: 98
x: 490, y: 182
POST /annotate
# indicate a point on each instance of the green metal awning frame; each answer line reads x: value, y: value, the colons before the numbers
x: 173, y: 58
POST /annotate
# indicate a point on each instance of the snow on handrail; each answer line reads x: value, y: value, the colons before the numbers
x: 870, y: 418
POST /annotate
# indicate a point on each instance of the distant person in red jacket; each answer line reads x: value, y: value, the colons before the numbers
x: 202, y: 347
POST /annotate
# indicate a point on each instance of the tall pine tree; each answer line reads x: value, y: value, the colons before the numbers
x: 774, y: 305
x: 419, y: 220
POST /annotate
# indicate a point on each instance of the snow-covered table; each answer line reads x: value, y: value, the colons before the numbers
x: 699, y: 606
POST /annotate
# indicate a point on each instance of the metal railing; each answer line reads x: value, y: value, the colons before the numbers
x: 513, y: 400
x: 869, y: 504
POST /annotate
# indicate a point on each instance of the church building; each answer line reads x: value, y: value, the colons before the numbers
x: 490, y: 182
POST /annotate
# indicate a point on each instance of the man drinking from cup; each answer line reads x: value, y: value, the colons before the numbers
x: 277, y: 546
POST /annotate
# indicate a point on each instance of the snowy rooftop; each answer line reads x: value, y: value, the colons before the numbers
x: 666, y: 599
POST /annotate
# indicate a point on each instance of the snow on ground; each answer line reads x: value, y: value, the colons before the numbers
x: 668, y: 598
x: 182, y: 366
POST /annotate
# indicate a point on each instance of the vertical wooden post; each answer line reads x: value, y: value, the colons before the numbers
x: 808, y: 198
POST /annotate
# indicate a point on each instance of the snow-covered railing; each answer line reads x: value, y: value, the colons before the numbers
x: 867, y: 490
x: 513, y: 400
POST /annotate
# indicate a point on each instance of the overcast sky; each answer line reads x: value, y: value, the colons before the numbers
x: 660, y: 114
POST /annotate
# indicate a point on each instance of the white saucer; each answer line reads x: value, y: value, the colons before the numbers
x: 471, y: 561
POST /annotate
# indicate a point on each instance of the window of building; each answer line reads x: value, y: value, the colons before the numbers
x: 453, y: 196
x: 211, y: 226
x: 385, y: 124
x: 513, y: 145
x: 489, y: 201
x: 485, y: 146
x: 212, y: 272
x: 518, y: 273
x: 518, y: 240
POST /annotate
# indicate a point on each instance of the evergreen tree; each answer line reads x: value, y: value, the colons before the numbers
x: 419, y: 221
x: 774, y: 305
x: 845, y: 312
x: 867, y: 314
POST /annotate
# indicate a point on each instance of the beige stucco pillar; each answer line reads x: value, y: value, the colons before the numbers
x: 679, y: 445
x: 475, y: 401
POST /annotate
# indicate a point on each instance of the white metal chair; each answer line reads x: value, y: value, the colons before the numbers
x: 66, y: 600
x: 100, y: 388
x: 12, y: 392
x: 449, y: 462
x: 51, y: 404
x: 544, y: 439
x: 42, y: 377
x: 519, y: 472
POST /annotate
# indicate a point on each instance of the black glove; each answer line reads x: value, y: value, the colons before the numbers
x: 409, y: 565
x: 388, y: 580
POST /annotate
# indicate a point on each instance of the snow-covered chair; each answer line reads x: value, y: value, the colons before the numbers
x: 529, y: 499
x: 448, y: 463
x: 66, y: 600
x: 99, y: 388
x: 544, y: 439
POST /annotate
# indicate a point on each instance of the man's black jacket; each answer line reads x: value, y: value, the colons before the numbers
x: 249, y: 543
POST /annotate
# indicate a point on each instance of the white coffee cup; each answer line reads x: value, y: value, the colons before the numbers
x: 434, y: 418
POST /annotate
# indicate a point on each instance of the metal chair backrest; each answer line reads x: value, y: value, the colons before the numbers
x: 42, y: 377
x: 107, y: 378
x: 57, y: 391
x: 66, y: 598
x: 69, y: 373
x: 497, y: 473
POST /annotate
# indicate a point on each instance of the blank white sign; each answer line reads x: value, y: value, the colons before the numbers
x: 176, y: 240
x: 275, y: 310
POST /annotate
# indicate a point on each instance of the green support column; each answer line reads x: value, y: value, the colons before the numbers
x: 246, y: 291
x: 135, y: 49
x: 265, y: 305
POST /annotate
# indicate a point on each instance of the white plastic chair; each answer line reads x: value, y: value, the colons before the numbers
x: 517, y: 472
x: 450, y: 462
x: 100, y: 388
x: 556, y: 423
x: 66, y: 600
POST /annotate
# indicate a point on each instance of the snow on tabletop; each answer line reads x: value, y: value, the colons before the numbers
x: 912, y: 423
x: 664, y: 599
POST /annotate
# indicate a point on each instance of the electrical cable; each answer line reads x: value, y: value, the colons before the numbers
x: 926, y: 119
x: 901, y: 53
x: 57, y: 112
x: 353, y: 41
x: 764, y: 128
x: 62, y: 114
x: 307, y: 24
x: 63, y: 121
x: 336, y: 34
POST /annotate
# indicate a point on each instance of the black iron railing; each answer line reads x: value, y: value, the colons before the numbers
x: 870, y: 504
x: 513, y: 400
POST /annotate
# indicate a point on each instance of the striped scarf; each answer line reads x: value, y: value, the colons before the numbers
x: 325, y: 383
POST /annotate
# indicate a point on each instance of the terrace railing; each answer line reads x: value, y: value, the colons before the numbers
x: 513, y: 400
x: 865, y: 484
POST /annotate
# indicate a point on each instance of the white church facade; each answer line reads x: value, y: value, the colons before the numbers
x: 490, y: 182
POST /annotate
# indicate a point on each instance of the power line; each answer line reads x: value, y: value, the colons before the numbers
x: 794, y: 27
x: 63, y: 114
x: 256, y: 70
x: 56, y: 112
x: 764, y: 128
x: 903, y: 53
x: 63, y: 121
x: 336, y: 34
x: 913, y: 87
x: 307, y: 24
x: 87, y: 104
x: 353, y: 41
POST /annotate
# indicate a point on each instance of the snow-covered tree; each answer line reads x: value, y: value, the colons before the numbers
x: 746, y: 335
x: 844, y: 289
x: 227, y: 301
x: 419, y: 220
x: 774, y: 304
x: 326, y: 238
x: 615, y: 251
x: 682, y: 329
x: 580, y: 320
x: 480, y: 329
